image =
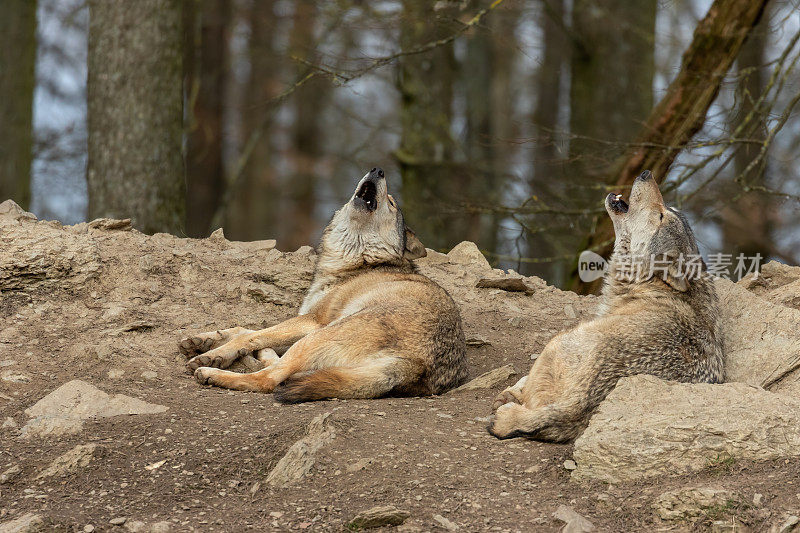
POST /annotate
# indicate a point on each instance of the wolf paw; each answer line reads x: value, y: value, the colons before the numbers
x: 198, y: 344
x: 205, y: 375
x: 503, y: 398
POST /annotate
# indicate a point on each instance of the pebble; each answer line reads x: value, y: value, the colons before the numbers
x: 118, y: 521
x: 569, y: 464
x: 149, y: 375
x: 88, y: 528
x: 757, y: 498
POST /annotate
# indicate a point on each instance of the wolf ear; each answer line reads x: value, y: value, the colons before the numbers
x: 676, y: 276
x: 414, y: 247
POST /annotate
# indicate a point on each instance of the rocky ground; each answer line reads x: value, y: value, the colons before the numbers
x: 103, y: 430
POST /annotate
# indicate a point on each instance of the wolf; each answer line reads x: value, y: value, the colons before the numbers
x: 370, y: 325
x: 656, y: 316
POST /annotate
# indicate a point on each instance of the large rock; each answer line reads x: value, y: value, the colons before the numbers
x: 301, y: 456
x: 489, y: 379
x: 78, y: 457
x: 64, y: 410
x: 648, y: 427
x: 762, y: 342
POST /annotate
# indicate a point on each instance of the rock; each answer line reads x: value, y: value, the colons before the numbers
x: 78, y: 457
x: 118, y: 521
x: 27, y: 523
x: 727, y: 526
x: 135, y: 526
x: 63, y: 410
x: 218, y: 235
x: 88, y: 528
x: 573, y: 522
x: 115, y: 373
x: 477, y: 340
x: 161, y: 527
x: 9, y: 423
x: 693, y: 502
x: 111, y: 224
x: 467, y: 253
x: 506, y: 284
x: 569, y: 464
x: 10, y: 210
x: 489, y: 379
x: 762, y: 344
x: 301, y: 456
x: 789, y: 525
x: 149, y: 375
x: 12, y: 376
x: 10, y: 474
x: 757, y: 499
x: 381, y: 516
x: 648, y: 427
x: 445, y: 523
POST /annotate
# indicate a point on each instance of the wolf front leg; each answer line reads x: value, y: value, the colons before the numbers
x: 203, y: 342
x: 287, y: 332
x: 558, y: 422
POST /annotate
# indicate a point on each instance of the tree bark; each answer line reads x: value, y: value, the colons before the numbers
x: 135, y: 113
x: 426, y: 147
x: 205, y: 175
x: 17, y: 82
x: 681, y: 112
x: 253, y: 213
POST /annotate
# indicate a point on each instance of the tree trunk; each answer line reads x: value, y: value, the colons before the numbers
x: 17, y: 81
x: 681, y: 112
x: 747, y: 223
x: 300, y: 226
x: 548, y: 178
x: 205, y: 175
x: 135, y: 113
x: 253, y: 213
x: 611, y: 94
x: 426, y: 146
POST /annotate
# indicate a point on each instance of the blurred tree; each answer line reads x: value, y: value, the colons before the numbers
x: 135, y: 113
x: 17, y: 81
x: 747, y: 220
x: 206, y: 25
x: 681, y: 112
x: 425, y: 155
x: 548, y: 180
x: 299, y: 225
x: 253, y: 211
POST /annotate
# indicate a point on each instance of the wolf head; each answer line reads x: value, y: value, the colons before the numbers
x: 369, y: 228
x: 656, y: 236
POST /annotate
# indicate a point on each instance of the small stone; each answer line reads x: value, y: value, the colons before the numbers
x: 515, y: 321
x: 161, y: 527
x: 445, y: 523
x: 135, y: 526
x: 757, y: 499
x: 477, y: 340
x: 574, y: 523
x: 149, y: 375
x: 27, y: 523
x: 467, y: 253
x: 218, y: 235
x: 10, y: 474
x: 381, y: 516
x: 115, y: 373
x: 9, y: 423
x: 276, y: 514
x: 118, y: 521
x: 489, y: 379
x: 569, y: 464
x: 535, y: 356
x: 88, y: 528
x: 569, y: 311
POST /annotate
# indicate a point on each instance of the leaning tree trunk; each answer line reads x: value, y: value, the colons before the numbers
x: 135, y: 113
x: 17, y: 80
x: 682, y: 111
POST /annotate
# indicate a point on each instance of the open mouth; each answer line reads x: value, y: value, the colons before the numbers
x: 617, y: 204
x: 368, y: 193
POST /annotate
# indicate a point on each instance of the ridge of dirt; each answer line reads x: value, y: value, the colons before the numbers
x: 107, y: 305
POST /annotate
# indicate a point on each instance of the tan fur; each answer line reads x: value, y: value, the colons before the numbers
x: 665, y: 325
x: 370, y: 324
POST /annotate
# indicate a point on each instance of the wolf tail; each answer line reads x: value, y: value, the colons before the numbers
x: 369, y: 381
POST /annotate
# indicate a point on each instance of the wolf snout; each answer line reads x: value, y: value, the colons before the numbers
x: 644, y: 176
x: 376, y: 173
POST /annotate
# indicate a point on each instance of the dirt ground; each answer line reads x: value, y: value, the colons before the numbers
x: 111, y: 314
